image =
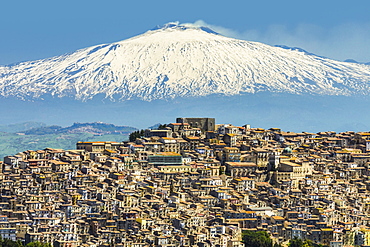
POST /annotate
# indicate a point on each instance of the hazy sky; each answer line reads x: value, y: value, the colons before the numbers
x: 37, y: 29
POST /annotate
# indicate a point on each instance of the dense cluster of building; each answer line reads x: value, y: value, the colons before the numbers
x: 192, y: 183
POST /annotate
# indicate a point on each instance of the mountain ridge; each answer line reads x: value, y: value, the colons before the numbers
x: 19, y: 127
x: 95, y: 128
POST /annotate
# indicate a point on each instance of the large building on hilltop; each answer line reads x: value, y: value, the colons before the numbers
x: 204, y: 124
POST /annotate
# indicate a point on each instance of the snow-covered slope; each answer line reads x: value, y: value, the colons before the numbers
x: 181, y: 60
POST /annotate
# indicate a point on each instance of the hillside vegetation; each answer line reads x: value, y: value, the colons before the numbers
x: 60, y: 137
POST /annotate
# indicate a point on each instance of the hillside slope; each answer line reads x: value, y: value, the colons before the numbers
x: 61, y: 137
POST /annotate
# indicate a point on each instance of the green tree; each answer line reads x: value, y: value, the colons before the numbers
x: 136, y: 134
x: 297, y: 242
x: 38, y: 244
x: 256, y: 239
x: 277, y: 245
x: 5, y: 242
x: 10, y: 243
x: 162, y: 126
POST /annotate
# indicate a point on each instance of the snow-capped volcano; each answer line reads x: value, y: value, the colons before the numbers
x: 182, y: 60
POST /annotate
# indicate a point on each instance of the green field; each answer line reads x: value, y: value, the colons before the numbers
x: 11, y: 143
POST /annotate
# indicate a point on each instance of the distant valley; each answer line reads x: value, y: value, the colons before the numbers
x: 15, y: 138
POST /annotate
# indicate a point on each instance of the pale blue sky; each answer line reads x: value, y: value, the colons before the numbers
x: 37, y: 29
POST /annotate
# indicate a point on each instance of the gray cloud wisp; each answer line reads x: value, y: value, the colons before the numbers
x: 345, y: 41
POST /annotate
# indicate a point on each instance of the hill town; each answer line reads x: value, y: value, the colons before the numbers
x: 191, y: 183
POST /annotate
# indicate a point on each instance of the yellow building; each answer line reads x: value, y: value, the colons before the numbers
x: 293, y: 171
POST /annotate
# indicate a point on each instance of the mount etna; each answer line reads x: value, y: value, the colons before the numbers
x: 183, y: 70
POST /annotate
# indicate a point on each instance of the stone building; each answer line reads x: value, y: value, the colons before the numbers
x: 204, y: 124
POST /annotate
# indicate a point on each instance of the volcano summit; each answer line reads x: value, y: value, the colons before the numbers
x: 181, y: 61
x: 183, y: 70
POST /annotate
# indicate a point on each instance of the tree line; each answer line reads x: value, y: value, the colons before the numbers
x: 140, y: 133
x: 263, y: 239
x: 5, y: 242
